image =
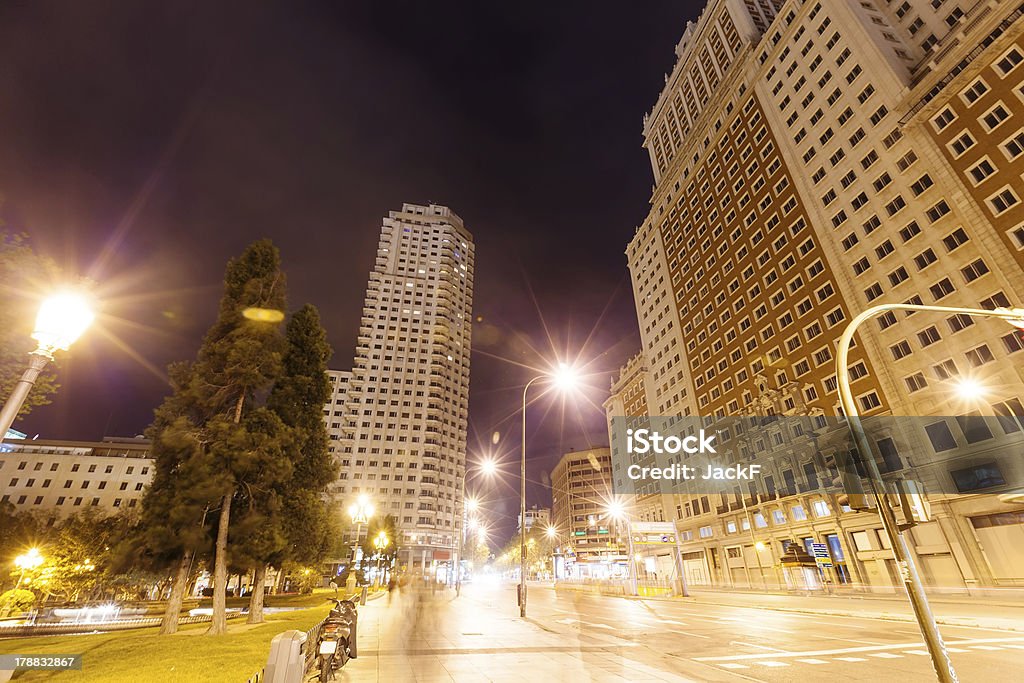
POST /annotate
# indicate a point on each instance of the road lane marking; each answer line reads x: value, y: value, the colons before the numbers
x: 758, y: 647
x: 733, y: 665
x: 854, y: 650
x: 567, y: 621
x: 851, y: 659
x: 885, y: 655
x: 915, y: 652
x: 812, y: 661
x: 771, y: 663
x: 985, y: 647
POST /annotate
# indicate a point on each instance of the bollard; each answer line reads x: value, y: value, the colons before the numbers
x: 287, y: 660
x: 353, y: 641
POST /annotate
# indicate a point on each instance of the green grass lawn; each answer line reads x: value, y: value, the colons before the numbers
x: 142, y: 656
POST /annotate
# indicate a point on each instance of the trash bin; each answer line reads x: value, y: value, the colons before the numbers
x: 287, y: 660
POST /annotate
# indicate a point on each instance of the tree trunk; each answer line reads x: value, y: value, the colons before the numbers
x: 169, y: 624
x: 219, y: 621
x: 259, y: 577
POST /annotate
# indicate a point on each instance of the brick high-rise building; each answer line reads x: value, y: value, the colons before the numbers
x: 397, y: 420
x: 812, y: 159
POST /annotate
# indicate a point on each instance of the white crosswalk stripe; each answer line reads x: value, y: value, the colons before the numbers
x: 886, y: 655
x: 771, y: 663
x: 812, y: 661
x: 733, y: 665
x: 851, y: 659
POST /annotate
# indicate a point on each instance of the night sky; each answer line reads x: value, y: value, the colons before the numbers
x: 145, y: 143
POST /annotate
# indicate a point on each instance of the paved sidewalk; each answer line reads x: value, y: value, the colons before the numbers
x: 949, y: 610
x: 427, y: 637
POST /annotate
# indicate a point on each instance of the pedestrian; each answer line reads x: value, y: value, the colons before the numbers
x: 392, y: 584
x: 334, y: 585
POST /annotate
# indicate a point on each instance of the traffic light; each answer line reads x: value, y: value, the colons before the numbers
x: 913, y: 506
x: 848, y: 481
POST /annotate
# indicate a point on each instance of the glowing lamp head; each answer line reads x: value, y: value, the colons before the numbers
x: 551, y: 532
x: 30, y: 560
x: 565, y: 378
x: 616, y: 510
x: 1017, y: 319
x: 488, y: 467
x: 969, y: 389
x: 759, y: 546
x: 61, y: 320
x: 472, y: 504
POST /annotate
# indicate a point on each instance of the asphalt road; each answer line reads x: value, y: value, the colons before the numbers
x: 438, y: 638
x: 741, y: 643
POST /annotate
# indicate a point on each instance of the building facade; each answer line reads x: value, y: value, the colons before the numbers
x: 61, y: 478
x: 535, y: 516
x: 813, y: 159
x: 581, y: 489
x: 397, y: 420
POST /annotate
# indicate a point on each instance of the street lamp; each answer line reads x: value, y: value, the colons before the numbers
x: 617, y: 511
x: 552, y: 533
x: 488, y: 467
x: 360, y: 512
x: 27, y: 562
x: 565, y: 379
x: 900, y: 550
x: 380, y: 543
x: 60, y: 322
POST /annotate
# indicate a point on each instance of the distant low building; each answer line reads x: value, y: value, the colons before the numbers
x: 61, y: 478
x: 534, y: 516
x: 581, y: 489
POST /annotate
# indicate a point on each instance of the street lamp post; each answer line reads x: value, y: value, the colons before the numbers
x: 901, y: 552
x: 564, y: 378
x: 488, y: 467
x: 618, y: 512
x: 380, y: 543
x: 61, y: 321
x: 552, y: 534
x: 360, y: 512
x: 27, y: 562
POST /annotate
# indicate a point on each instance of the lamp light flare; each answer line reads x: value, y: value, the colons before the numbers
x: 263, y: 315
x: 616, y: 509
x: 488, y: 466
x: 61, y: 320
x: 565, y: 378
x: 551, y: 532
x: 969, y: 389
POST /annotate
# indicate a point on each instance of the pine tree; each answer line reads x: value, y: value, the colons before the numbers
x: 211, y: 439
x: 292, y: 524
x: 24, y: 278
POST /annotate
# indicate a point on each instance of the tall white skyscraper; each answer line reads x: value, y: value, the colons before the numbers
x: 397, y: 420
